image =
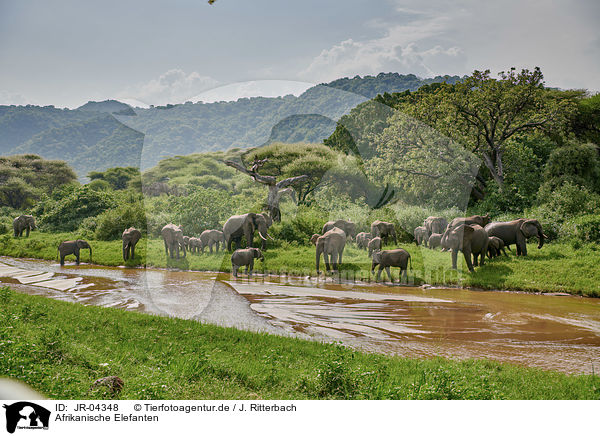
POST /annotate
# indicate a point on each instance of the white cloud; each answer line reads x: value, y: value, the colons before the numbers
x: 9, y: 98
x: 174, y: 86
x: 406, y: 48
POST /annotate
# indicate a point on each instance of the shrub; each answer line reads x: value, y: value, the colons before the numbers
x: 67, y: 213
x: 300, y: 227
x: 585, y: 229
x: 110, y: 224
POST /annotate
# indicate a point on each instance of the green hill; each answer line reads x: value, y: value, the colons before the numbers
x: 100, y: 135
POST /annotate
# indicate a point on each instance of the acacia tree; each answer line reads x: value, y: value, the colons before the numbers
x: 483, y: 113
x: 276, y: 189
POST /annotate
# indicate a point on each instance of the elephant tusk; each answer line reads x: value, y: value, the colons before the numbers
x: 260, y: 234
x: 270, y: 237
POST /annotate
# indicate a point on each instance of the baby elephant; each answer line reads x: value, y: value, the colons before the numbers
x: 362, y: 239
x: 495, y: 246
x: 374, y: 244
x: 388, y: 258
x: 245, y: 256
x: 435, y: 240
x: 72, y: 247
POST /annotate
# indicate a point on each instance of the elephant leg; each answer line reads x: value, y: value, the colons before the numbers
x: 27, y: 236
x: 454, y: 255
x: 235, y: 270
x: 77, y: 257
x: 389, y: 273
x: 341, y: 254
x: 62, y: 260
x: 326, y: 260
x: 334, y: 261
x: 210, y: 248
x: 403, y: 275
x: 503, y: 251
x: 467, y: 255
x: 133, y: 251
x: 251, y: 268
x: 379, y: 273
x: 166, y: 248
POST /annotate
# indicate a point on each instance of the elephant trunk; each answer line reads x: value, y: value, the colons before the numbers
x: 541, y: 237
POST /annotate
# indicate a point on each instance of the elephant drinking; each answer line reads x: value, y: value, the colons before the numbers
x: 72, y: 247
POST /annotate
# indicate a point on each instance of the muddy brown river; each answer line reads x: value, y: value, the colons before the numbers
x: 560, y: 333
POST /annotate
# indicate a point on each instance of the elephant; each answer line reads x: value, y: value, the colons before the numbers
x: 435, y: 240
x: 331, y: 244
x: 374, y: 244
x: 347, y: 226
x: 495, y: 247
x: 72, y: 247
x: 384, y: 230
x: 23, y: 223
x: 173, y: 238
x: 238, y: 226
x: 194, y: 245
x: 130, y: 237
x: 186, y: 242
x: 421, y: 236
x: 388, y: 258
x: 517, y: 232
x: 435, y: 224
x: 362, y: 240
x: 481, y: 220
x: 210, y: 238
x: 245, y: 256
x: 468, y: 238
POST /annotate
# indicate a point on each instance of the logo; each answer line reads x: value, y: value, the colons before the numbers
x: 26, y: 415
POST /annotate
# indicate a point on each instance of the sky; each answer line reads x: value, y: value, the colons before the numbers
x: 67, y: 52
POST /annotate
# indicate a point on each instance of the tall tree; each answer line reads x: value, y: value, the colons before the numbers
x: 276, y: 189
x: 482, y: 113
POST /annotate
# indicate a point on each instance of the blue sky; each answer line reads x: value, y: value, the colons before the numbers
x: 66, y: 52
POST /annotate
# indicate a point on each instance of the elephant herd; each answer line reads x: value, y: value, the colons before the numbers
x: 477, y: 236
x: 332, y: 242
x: 234, y: 229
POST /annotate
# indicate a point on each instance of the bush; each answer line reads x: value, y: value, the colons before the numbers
x: 584, y: 229
x: 67, y: 213
x: 110, y: 224
x: 299, y: 228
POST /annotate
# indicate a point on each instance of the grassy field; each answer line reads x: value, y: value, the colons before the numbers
x: 555, y: 268
x: 55, y: 347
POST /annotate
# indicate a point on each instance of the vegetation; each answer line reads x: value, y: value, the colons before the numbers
x: 558, y: 267
x: 102, y: 135
x: 54, y: 346
x: 25, y: 179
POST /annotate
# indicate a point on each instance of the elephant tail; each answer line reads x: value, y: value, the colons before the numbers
x: 410, y: 262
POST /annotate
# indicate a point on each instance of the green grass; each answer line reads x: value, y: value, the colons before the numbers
x: 60, y: 348
x: 555, y: 268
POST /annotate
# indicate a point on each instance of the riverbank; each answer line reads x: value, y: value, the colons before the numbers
x: 55, y: 347
x: 556, y: 267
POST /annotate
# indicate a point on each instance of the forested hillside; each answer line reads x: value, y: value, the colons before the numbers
x: 95, y: 136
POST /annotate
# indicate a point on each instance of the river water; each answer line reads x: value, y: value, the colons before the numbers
x: 560, y: 333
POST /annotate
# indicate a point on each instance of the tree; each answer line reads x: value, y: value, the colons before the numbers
x: 483, y: 113
x: 119, y: 178
x: 276, y: 189
x: 25, y: 178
